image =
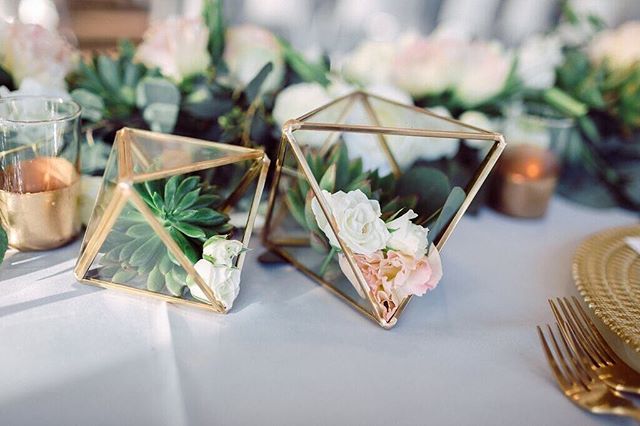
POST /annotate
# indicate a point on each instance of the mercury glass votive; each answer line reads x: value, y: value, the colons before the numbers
x: 39, y: 171
x: 526, y: 178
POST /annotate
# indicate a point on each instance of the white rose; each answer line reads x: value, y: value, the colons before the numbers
x: 221, y: 251
x: 296, y: 100
x: 480, y: 120
x: 370, y: 63
x: 366, y: 146
x: 247, y: 49
x: 619, y: 48
x: 32, y: 87
x: 176, y: 45
x: 358, y: 219
x: 538, y: 58
x: 484, y: 73
x: 223, y: 281
x: 427, y: 66
x: 407, y: 237
x: 31, y: 51
x: 431, y: 148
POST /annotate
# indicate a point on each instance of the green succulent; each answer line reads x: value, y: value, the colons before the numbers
x: 186, y: 208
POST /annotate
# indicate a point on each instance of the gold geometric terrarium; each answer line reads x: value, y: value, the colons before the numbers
x: 406, y: 161
x: 162, y: 197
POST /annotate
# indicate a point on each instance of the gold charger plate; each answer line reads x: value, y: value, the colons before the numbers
x: 607, y: 273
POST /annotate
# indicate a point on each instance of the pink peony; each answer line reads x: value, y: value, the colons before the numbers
x: 405, y: 275
x: 388, y: 302
x: 427, y: 66
x: 31, y: 51
x: 369, y: 266
x: 176, y: 45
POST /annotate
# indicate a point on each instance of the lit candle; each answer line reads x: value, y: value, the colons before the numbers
x: 526, y: 178
x: 39, y: 203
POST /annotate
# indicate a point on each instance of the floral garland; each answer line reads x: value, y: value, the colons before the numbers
x: 393, y: 256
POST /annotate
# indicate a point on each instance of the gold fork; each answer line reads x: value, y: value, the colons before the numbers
x: 594, y: 350
x: 581, y: 385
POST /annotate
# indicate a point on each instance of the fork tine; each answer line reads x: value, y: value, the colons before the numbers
x: 595, y: 333
x: 586, y: 343
x: 584, y: 372
x: 570, y: 373
x: 565, y: 326
x: 555, y: 369
x: 604, y: 356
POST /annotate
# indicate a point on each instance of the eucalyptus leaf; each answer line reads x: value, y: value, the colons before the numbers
x: 161, y: 117
x: 253, y: 88
x: 152, y: 90
x: 92, y: 104
x: 429, y: 185
x: 449, y: 209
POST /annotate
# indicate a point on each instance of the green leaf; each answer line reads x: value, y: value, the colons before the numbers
x: 4, y: 243
x: 429, y: 185
x: 152, y: 90
x: 253, y: 88
x: 296, y: 206
x: 449, y: 210
x: 128, y: 249
x: 161, y: 117
x: 165, y: 264
x: 310, y: 217
x: 92, y: 104
x: 170, y: 192
x: 305, y: 70
x: 185, y: 246
x: 204, y: 216
x: 190, y: 230
x: 155, y: 280
x: 141, y: 230
x: 123, y: 276
x: 173, y: 283
x: 207, y: 200
x: 187, y: 201
x: 145, y: 252
x: 187, y: 185
x: 213, y: 15
x: 328, y: 181
x: 109, y: 73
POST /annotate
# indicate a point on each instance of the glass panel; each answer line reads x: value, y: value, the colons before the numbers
x: 152, y: 153
x: 294, y: 227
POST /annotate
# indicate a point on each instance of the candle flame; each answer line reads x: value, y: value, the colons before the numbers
x: 533, y: 170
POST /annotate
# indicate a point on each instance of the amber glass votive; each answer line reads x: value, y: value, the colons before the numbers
x: 39, y: 171
x: 526, y: 178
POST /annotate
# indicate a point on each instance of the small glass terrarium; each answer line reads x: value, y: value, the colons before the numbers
x: 367, y: 191
x: 173, y: 218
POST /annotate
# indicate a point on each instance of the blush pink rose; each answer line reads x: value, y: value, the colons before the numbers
x: 425, y: 274
x: 388, y: 302
x: 369, y: 266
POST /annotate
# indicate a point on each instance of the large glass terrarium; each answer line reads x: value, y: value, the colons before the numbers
x: 361, y: 156
x: 168, y: 206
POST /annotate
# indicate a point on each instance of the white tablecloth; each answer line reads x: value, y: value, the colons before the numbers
x: 290, y: 352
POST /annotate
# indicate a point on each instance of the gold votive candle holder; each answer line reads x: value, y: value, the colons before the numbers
x: 526, y: 179
x: 39, y: 171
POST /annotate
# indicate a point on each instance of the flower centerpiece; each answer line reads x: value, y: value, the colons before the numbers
x: 358, y: 204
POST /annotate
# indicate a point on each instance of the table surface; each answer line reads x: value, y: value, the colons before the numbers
x: 292, y: 353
